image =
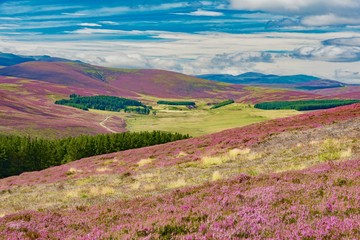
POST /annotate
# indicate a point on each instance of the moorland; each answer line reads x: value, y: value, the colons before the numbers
x: 89, y: 152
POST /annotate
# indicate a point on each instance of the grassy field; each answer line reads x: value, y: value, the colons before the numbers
x: 199, y: 121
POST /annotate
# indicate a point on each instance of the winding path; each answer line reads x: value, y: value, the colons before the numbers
x: 104, y: 126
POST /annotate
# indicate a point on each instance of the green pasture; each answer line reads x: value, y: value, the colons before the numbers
x: 199, y: 121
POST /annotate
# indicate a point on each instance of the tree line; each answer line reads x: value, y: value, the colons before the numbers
x: 222, y: 104
x: 105, y: 103
x: 177, y: 103
x: 20, y: 154
x: 304, y: 105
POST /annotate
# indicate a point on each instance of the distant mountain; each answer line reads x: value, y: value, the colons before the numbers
x: 9, y: 59
x: 300, y: 81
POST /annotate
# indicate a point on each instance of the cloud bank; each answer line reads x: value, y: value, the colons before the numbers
x: 313, y: 12
x: 329, y: 53
x: 203, y: 13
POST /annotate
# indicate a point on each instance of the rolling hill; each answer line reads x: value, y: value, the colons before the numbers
x: 221, y: 185
x: 192, y: 149
x: 149, y: 82
x: 352, y: 91
x: 130, y: 82
x: 31, y: 88
x: 27, y: 108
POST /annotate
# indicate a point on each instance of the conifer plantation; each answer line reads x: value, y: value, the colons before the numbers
x: 25, y: 154
x: 106, y: 103
x: 305, y: 105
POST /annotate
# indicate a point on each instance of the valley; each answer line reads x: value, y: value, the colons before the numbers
x: 30, y: 89
x: 180, y: 120
x: 235, y: 150
x: 199, y: 121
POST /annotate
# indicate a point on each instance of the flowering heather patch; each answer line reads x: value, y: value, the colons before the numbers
x: 349, y: 92
x: 156, y: 83
x: 317, y: 203
x: 195, y: 149
x: 281, y: 152
x: 262, y: 94
x: 62, y: 73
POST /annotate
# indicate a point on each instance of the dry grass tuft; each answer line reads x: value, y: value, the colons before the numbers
x: 233, y: 153
x: 103, y: 169
x: 144, y: 162
x: 177, y: 184
x: 149, y: 187
x: 135, y: 186
x: 346, y: 154
x: 73, y: 171
x: 216, y: 176
x: 97, y: 191
x: 72, y: 193
x: 181, y: 154
x: 213, y: 160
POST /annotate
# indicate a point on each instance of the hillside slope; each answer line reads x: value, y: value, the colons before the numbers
x: 67, y: 74
x: 27, y: 108
x: 350, y: 92
x: 196, y: 148
x: 130, y: 194
x: 317, y: 203
x: 149, y: 82
x: 129, y: 82
x: 273, y: 146
x: 32, y: 87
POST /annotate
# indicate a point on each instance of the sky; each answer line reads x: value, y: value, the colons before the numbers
x: 315, y: 37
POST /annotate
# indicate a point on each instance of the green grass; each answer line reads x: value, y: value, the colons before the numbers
x: 202, y: 120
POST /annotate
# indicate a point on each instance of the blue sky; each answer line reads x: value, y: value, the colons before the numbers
x: 318, y: 37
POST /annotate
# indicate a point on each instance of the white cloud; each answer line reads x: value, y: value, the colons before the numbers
x: 104, y: 31
x: 74, y: 14
x: 301, y: 7
x: 10, y: 19
x: 109, y: 23
x: 237, y: 59
x: 329, y: 53
x: 353, y: 41
x: 315, y: 12
x: 347, y: 76
x: 122, y: 60
x: 329, y: 20
x: 89, y: 25
x: 203, y: 13
x: 190, y: 53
